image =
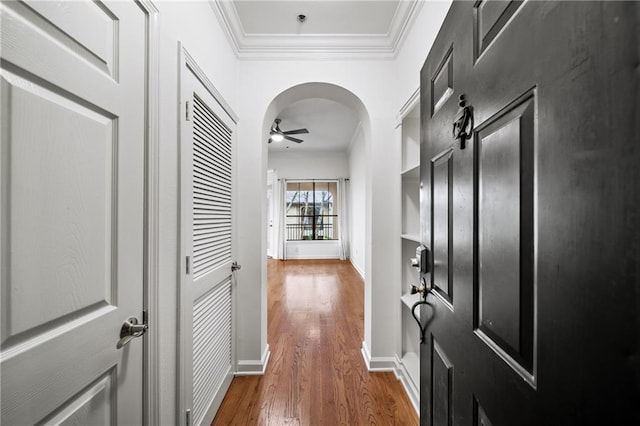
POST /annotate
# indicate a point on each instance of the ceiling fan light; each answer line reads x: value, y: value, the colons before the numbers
x: 277, y: 137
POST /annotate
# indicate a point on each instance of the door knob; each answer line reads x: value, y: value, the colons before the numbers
x: 130, y: 329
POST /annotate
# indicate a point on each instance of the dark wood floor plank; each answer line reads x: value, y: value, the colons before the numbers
x: 316, y: 374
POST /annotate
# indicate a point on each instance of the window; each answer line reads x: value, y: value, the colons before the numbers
x: 311, y: 211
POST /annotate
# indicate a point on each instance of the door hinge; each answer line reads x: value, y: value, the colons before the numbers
x: 188, y: 112
x: 188, y: 265
x: 188, y: 418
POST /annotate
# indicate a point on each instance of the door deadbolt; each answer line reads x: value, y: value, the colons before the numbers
x: 130, y: 330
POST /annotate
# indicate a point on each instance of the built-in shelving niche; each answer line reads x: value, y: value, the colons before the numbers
x: 409, y: 350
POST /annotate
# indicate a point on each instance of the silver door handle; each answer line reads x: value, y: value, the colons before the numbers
x: 130, y: 330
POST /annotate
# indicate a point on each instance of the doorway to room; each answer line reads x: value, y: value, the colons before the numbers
x: 323, y: 222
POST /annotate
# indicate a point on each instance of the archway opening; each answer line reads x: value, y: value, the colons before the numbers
x: 337, y: 149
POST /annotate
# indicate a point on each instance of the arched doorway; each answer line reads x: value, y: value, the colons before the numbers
x: 289, y: 103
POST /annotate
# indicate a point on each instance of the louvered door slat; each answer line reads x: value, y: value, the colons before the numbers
x: 216, y: 191
x: 212, y: 187
x: 212, y: 243
x: 211, y: 119
x: 204, y: 267
x: 221, y: 206
x: 211, y: 345
x: 210, y: 239
x: 217, y: 139
x: 211, y: 201
x: 206, y: 152
x: 212, y: 192
x: 210, y: 224
x: 204, y: 164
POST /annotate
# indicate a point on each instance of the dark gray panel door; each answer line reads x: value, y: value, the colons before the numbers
x: 533, y: 223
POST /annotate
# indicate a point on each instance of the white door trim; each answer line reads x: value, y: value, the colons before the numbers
x: 188, y: 61
x: 151, y: 356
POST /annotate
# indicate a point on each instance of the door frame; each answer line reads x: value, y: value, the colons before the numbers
x: 151, y: 291
x: 187, y: 65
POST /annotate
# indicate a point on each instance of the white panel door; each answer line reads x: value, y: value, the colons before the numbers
x: 72, y: 78
x: 207, y: 238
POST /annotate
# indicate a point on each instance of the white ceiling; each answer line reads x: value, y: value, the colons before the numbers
x: 372, y: 29
x: 331, y: 126
x: 323, y: 17
x: 345, y: 28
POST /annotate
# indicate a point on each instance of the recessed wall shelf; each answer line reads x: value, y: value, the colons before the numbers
x: 408, y: 351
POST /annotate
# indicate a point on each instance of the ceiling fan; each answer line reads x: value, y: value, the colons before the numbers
x: 277, y: 135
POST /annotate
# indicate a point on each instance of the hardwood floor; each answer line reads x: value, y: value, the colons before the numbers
x: 316, y: 374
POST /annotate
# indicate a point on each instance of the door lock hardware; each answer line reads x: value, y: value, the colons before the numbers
x: 423, y: 289
x: 421, y: 261
x: 463, y: 122
x: 235, y: 266
x: 130, y: 330
x: 418, y: 289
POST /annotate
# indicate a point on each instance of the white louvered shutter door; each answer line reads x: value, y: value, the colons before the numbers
x: 208, y: 226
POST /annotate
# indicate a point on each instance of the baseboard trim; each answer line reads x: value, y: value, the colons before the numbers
x: 376, y: 363
x: 252, y: 367
x: 311, y: 257
x: 357, y: 269
x: 410, y: 388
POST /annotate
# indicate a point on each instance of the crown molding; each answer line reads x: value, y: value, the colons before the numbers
x: 316, y: 46
x: 408, y: 106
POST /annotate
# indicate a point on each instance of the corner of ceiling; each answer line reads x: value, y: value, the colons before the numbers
x: 402, y: 21
x: 338, y: 46
x: 229, y: 21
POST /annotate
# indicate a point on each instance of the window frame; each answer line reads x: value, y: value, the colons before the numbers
x: 312, y: 227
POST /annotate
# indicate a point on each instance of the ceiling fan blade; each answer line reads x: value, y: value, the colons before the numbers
x: 296, y: 140
x: 295, y: 132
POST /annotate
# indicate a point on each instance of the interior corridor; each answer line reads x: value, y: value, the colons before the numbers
x: 316, y: 374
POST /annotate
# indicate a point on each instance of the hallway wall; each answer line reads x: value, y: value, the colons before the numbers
x: 357, y: 188
x: 195, y: 25
x: 309, y: 165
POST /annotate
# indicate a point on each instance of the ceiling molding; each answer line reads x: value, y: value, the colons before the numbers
x: 318, y: 46
x: 409, y: 105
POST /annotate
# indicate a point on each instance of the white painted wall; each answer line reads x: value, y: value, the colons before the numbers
x: 309, y: 165
x: 313, y: 249
x: 357, y: 189
x: 195, y: 25
x: 416, y: 46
